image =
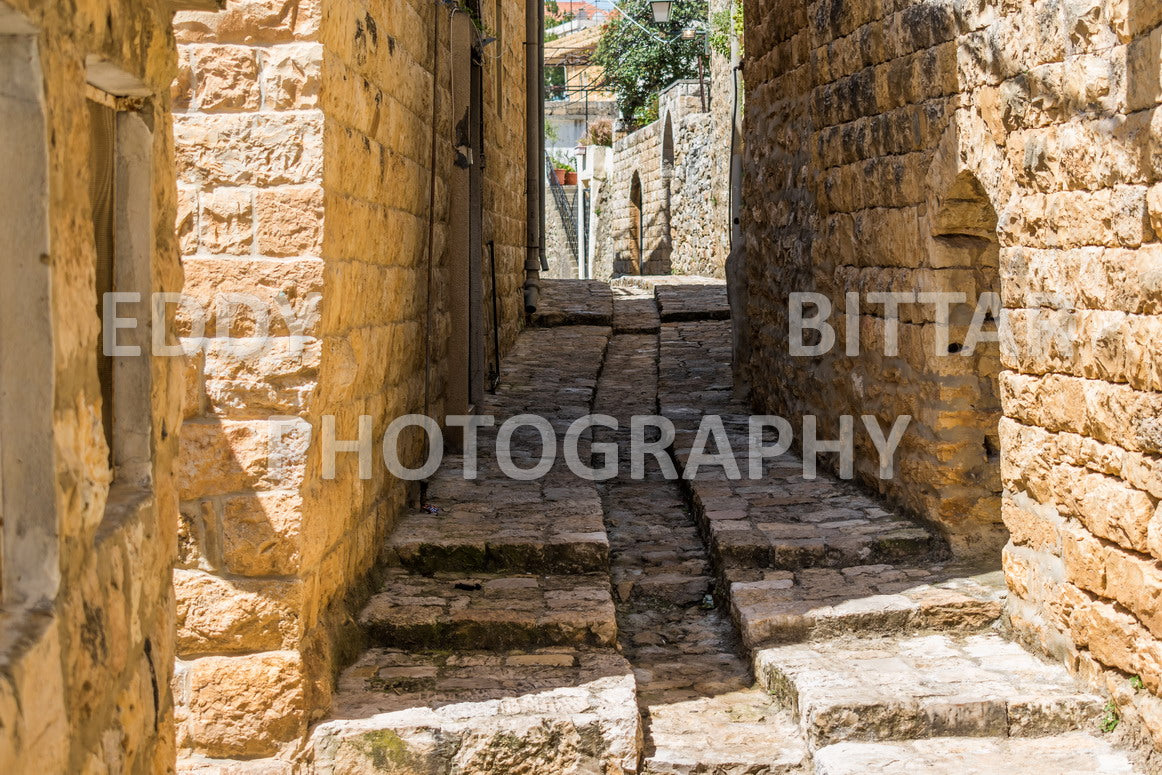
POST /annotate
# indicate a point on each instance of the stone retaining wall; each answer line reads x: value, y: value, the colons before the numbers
x: 967, y: 147
x: 682, y: 162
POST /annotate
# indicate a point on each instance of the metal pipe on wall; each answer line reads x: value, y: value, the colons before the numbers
x: 534, y: 152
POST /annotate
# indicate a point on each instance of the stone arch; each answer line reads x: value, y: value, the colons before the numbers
x: 668, y: 145
x: 968, y: 185
x: 964, y: 257
x: 636, y: 226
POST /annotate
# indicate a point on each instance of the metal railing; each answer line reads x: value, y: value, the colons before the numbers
x: 564, y: 208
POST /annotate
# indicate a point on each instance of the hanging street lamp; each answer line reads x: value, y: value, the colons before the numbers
x: 661, y: 9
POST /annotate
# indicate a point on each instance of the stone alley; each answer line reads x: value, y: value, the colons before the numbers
x: 670, y: 628
x: 812, y: 352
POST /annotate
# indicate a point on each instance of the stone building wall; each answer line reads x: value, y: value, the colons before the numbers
x: 975, y: 148
x: 637, y: 154
x: 723, y: 93
x: 696, y: 217
x: 86, y: 622
x: 305, y: 149
x: 684, y: 190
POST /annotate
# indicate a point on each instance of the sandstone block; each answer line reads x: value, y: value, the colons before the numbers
x: 221, y: 457
x: 1154, y: 208
x: 277, y: 376
x: 269, y: 283
x: 215, y: 615
x: 290, y: 221
x: 187, y: 220
x: 261, y: 533
x: 1115, y: 638
x: 199, y: 535
x: 182, y: 90
x: 251, y: 22
x: 266, y: 149
x: 291, y: 76
x: 226, y: 221
x: 227, y: 79
x: 242, y: 706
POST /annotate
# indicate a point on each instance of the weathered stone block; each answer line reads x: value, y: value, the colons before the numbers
x: 226, y: 79
x: 216, y: 615
x: 253, y: 22
x: 290, y: 221
x: 291, y: 75
x: 249, y: 149
x: 241, y: 706
x: 261, y: 533
x: 226, y: 221
x: 221, y: 457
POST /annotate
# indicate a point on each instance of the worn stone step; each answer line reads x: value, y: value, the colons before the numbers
x: 558, y: 710
x: 762, y: 526
x: 741, y: 732
x: 1074, y: 753
x: 485, y: 611
x: 555, y: 537
x: 699, y: 299
x: 564, y: 302
x: 634, y: 311
x: 907, y: 687
x: 776, y: 607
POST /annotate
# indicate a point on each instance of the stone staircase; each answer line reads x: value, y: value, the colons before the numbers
x: 712, y: 626
x: 888, y: 656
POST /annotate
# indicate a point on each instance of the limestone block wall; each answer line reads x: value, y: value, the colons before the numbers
x: 87, y: 620
x: 980, y: 147
x: 305, y: 150
x: 684, y: 189
x: 637, y: 156
x: 697, y: 215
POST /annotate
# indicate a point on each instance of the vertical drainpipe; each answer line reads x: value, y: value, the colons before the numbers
x: 534, y: 151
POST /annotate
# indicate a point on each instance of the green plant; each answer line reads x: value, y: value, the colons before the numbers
x: 561, y: 162
x: 641, y: 59
x: 648, y: 113
x: 551, y: 134
x: 1136, y: 683
x: 725, y: 25
x: 1111, y: 719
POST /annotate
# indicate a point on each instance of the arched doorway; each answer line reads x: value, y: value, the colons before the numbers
x: 635, y: 225
x: 667, y: 242
x: 966, y: 251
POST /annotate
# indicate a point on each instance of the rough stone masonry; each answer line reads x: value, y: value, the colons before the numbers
x: 967, y: 146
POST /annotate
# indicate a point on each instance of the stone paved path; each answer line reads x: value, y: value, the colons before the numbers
x: 708, y: 626
x: 699, y: 707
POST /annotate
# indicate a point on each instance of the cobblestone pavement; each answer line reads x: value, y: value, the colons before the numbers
x: 704, y: 626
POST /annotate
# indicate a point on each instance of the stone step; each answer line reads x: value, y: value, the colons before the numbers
x: 557, y: 710
x: 564, y: 302
x: 735, y: 733
x: 476, y: 536
x: 486, y: 611
x: 696, y: 300
x: 790, y: 526
x: 778, y: 607
x: 1074, y: 753
x: 907, y: 687
x: 634, y: 312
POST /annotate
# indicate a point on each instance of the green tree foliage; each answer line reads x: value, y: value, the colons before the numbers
x: 554, y: 82
x: 726, y: 25
x: 640, y: 62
